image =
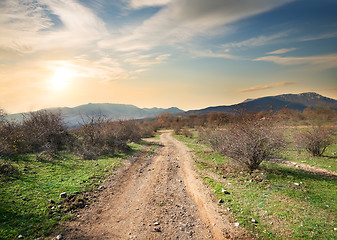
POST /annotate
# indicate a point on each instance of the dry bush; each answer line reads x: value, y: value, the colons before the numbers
x: 11, y: 139
x: 44, y: 131
x: 315, y: 140
x: 93, y: 138
x: 99, y: 136
x: 248, y: 141
x: 186, y: 132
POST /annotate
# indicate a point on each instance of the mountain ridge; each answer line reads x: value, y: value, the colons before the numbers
x: 114, y: 111
x: 297, y: 102
x: 72, y: 116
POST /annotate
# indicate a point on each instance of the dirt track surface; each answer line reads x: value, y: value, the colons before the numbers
x: 156, y: 196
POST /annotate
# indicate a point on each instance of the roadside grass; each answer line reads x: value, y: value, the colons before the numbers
x: 285, y: 202
x: 327, y: 161
x: 156, y: 136
x: 30, y: 198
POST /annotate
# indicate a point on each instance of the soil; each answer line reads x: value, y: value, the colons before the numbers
x: 155, y: 196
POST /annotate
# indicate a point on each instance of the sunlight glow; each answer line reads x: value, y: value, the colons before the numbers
x: 60, y: 78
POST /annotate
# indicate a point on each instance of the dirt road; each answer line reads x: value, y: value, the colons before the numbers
x: 156, y: 196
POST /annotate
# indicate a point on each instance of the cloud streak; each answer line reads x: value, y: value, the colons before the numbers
x: 322, y: 61
x: 256, y: 41
x: 264, y: 87
x: 181, y: 20
x: 281, y: 51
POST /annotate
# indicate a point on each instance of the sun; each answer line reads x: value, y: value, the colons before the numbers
x: 60, y: 78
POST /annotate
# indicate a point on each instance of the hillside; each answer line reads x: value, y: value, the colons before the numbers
x: 297, y: 102
x: 73, y: 116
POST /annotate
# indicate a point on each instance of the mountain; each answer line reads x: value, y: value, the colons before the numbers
x: 297, y: 102
x: 72, y: 116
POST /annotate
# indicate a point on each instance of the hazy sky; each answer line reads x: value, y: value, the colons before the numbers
x: 185, y: 53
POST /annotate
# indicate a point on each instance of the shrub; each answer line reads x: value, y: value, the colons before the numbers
x: 44, y: 131
x: 11, y: 139
x: 186, y: 132
x: 315, y: 140
x: 249, y: 141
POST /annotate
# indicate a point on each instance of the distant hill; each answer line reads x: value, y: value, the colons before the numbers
x: 297, y: 102
x: 72, y: 116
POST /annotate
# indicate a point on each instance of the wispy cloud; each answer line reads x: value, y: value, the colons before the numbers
x: 147, y: 3
x: 182, y: 20
x: 281, y: 51
x: 319, y: 37
x: 268, y: 86
x: 322, y: 61
x: 211, y: 54
x: 256, y: 41
x: 146, y: 60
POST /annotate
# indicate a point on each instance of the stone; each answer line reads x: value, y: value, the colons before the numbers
x: 237, y: 224
x: 106, y: 170
x: 20, y: 236
x: 63, y: 195
x: 335, y: 229
x: 51, y: 201
x: 297, y: 184
x: 225, y: 191
x: 59, y: 237
x: 100, y: 187
x: 253, y: 220
x: 220, y: 201
x: 156, y: 223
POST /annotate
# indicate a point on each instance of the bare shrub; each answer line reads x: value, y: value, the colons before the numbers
x: 186, y: 132
x: 11, y: 139
x: 44, y: 131
x: 315, y: 140
x: 99, y: 136
x: 248, y: 141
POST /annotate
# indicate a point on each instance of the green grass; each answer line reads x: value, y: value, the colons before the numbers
x: 282, y: 209
x: 156, y: 136
x: 327, y: 161
x: 25, y: 207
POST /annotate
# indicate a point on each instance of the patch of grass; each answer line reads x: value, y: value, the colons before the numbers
x: 327, y: 161
x: 286, y: 203
x: 30, y: 198
x: 156, y: 136
x: 186, y: 139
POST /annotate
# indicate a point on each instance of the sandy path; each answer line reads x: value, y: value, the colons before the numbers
x: 155, y: 197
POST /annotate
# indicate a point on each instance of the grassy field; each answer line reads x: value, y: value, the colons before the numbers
x: 30, y: 197
x: 286, y: 203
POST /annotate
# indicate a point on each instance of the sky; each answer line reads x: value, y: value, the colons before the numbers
x: 189, y: 54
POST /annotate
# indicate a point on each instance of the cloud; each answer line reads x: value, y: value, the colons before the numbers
x: 76, y: 17
x: 29, y: 26
x: 211, y: 54
x: 281, y: 51
x: 319, y: 37
x: 136, y: 4
x: 256, y: 41
x: 146, y: 60
x: 322, y: 61
x: 268, y: 86
x: 182, y: 20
